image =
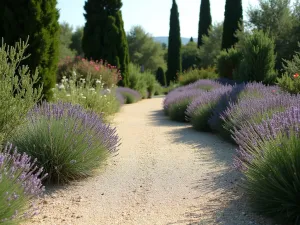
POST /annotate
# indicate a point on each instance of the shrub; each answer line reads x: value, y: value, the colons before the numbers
x: 290, y: 84
x: 129, y: 95
x: 201, y: 108
x: 150, y: 80
x: 20, y: 183
x: 161, y: 76
x: 91, y: 96
x: 17, y: 91
x: 194, y: 75
x: 228, y: 62
x: 67, y: 140
x: 177, y: 101
x: 255, y: 110
x: 258, y: 59
x: 239, y: 91
x: 269, y: 156
x: 206, y: 85
x: 96, y: 70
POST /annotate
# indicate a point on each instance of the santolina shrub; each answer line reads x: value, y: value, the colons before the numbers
x: 201, y: 108
x: 269, y: 156
x: 68, y: 141
x: 20, y: 183
x: 129, y: 95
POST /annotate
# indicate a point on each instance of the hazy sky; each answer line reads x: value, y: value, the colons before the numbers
x: 152, y: 15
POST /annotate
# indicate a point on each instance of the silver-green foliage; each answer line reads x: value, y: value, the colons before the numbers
x: 18, y: 89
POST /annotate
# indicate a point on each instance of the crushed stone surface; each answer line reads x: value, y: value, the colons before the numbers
x: 165, y: 173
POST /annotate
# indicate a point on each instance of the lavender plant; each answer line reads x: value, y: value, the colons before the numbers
x: 238, y: 93
x: 130, y: 95
x: 68, y: 141
x: 17, y: 91
x: 201, y: 108
x: 269, y: 157
x: 177, y: 101
x: 255, y: 110
x: 20, y: 183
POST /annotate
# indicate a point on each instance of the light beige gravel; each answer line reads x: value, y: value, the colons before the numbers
x: 165, y: 173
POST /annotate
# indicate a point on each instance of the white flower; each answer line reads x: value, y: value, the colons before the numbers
x: 83, y: 97
x: 98, y: 81
x: 61, y: 86
x: 107, y: 91
x: 74, y: 73
x: 68, y: 95
x: 92, y: 89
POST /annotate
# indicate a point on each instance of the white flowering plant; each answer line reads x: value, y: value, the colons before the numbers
x: 89, y: 93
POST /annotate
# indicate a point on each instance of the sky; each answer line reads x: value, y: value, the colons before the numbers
x: 152, y: 15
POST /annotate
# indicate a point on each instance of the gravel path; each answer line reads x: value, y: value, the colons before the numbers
x: 165, y: 173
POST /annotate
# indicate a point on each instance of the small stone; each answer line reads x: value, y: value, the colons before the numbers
x: 102, y: 194
x: 45, y: 202
x: 44, y: 217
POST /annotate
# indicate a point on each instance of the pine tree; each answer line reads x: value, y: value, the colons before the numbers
x: 174, y: 48
x: 104, y: 36
x: 233, y: 17
x: 204, y: 20
x: 37, y: 19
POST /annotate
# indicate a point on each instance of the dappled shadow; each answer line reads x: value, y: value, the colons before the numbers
x: 221, y: 200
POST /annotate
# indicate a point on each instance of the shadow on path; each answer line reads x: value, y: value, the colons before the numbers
x: 229, y: 206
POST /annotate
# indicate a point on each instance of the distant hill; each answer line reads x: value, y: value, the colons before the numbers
x: 184, y: 40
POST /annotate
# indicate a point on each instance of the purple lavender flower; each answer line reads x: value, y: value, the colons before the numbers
x: 20, y: 183
x: 239, y: 91
x: 124, y: 91
x: 252, y: 136
x: 66, y: 139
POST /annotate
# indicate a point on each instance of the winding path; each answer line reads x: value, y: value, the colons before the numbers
x: 165, y: 173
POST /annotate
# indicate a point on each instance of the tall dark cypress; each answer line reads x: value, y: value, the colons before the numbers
x: 233, y: 16
x: 37, y: 19
x: 204, y: 20
x: 174, y: 48
x: 104, y: 36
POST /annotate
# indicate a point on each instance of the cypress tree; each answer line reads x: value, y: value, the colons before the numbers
x: 104, y: 35
x: 160, y: 76
x: 37, y: 19
x: 191, y: 39
x: 174, y: 48
x: 204, y: 20
x: 233, y: 16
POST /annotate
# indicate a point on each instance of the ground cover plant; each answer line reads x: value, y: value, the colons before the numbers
x: 68, y: 141
x: 20, y: 184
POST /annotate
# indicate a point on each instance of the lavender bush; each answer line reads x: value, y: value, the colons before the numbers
x: 20, y: 183
x: 67, y: 140
x: 201, y: 108
x: 238, y: 93
x: 176, y: 103
x: 255, y: 110
x: 269, y: 157
x: 130, y: 95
